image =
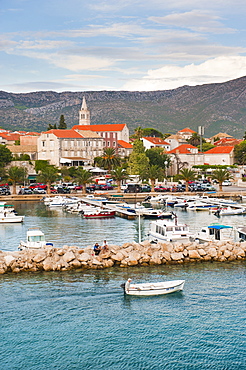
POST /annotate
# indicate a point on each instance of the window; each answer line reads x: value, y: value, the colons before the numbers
x: 114, y: 143
x: 108, y: 143
x: 43, y: 143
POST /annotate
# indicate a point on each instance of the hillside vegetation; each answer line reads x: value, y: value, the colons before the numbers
x: 218, y: 107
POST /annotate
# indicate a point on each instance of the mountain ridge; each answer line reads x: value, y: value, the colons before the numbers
x: 219, y: 107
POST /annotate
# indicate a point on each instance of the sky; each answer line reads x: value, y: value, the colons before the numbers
x: 133, y: 45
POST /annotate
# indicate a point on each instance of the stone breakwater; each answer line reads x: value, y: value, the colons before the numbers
x: 129, y: 254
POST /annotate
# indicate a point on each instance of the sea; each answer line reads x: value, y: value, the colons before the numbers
x: 82, y: 320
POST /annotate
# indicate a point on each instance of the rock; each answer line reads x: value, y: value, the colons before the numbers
x: 39, y: 257
x: 48, y: 264
x: 201, y: 252
x: 8, y: 260
x: 84, y: 257
x: 69, y: 256
x: 118, y: 256
x: 177, y: 256
x: 193, y: 254
x: 166, y: 255
x: 212, y: 252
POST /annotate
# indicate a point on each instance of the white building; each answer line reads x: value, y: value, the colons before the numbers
x: 155, y: 142
x: 69, y: 147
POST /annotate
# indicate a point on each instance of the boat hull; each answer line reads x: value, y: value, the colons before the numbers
x: 150, y: 289
x: 15, y: 219
x: 100, y: 215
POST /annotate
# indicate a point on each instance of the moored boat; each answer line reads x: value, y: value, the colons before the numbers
x: 98, y: 213
x: 215, y: 232
x: 169, y: 230
x: 8, y: 214
x: 155, y: 288
x: 35, y: 239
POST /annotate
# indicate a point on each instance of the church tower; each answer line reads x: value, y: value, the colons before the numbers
x: 84, y: 114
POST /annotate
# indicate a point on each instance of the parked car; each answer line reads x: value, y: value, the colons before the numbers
x: 106, y: 187
x: 62, y: 190
x: 38, y: 185
x: 146, y: 188
x: 25, y: 191
x: 133, y: 188
x: 5, y: 191
x: 162, y: 189
x: 227, y: 183
x: 39, y: 191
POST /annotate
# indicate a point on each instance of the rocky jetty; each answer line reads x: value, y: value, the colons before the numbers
x: 129, y: 254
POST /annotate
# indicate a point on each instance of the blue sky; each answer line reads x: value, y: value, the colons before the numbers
x: 135, y: 45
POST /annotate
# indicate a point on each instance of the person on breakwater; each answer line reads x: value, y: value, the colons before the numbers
x: 105, y: 246
x: 97, y: 249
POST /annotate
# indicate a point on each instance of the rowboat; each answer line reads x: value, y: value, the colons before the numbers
x: 156, y: 288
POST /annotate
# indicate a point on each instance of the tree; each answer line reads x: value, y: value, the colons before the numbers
x: 152, y: 132
x: 16, y: 174
x: 109, y: 159
x: 207, y: 146
x: 62, y: 124
x: 40, y: 164
x: 139, y: 133
x: 221, y: 175
x: 51, y: 127
x: 48, y: 175
x: 83, y: 177
x: 195, y: 139
x: 138, y: 161
x: 187, y: 175
x: 240, y: 153
x: 157, y: 156
x: 5, y: 155
x: 152, y: 173
x: 119, y: 174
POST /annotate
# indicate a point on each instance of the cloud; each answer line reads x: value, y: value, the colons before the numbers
x: 196, y: 20
x: 216, y: 70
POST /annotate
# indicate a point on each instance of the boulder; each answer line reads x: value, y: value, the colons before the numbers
x: 212, y: 252
x: 84, y: 257
x: 193, y: 254
x: 177, y: 256
x: 68, y: 256
x: 118, y: 256
x: 39, y: 257
x: 8, y: 260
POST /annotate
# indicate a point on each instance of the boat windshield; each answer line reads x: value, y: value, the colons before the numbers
x: 36, y: 238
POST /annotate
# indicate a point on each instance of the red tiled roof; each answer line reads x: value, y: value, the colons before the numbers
x: 187, y: 129
x: 182, y: 149
x: 227, y: 141
x: 9, y: 136
x: 100, y: 128
x: 124, y: 144
x: 156, y: 140
x: 70, y: 134
x: 220, y: 150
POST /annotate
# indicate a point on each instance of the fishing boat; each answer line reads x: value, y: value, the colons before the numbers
x: 215, y: 232
x: 150, y: 289
x: 8, y: 214
x: 35, y: 239
x: 169, y: 230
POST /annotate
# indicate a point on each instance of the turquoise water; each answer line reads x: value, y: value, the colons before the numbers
x: 82, y: 320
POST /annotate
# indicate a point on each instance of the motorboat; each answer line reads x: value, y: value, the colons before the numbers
x: 241, y: 231
x: 155, y: 288
x: 35, y: 239
x: 98, y: 213
x: 164, y: 230
x: 215, y: 232
x: 8, y: 214
x: 229, y: 211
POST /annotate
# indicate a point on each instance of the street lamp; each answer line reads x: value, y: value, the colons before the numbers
x: 166, y: 163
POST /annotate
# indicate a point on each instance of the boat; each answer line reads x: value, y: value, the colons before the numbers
x: 155, y: 288
x: 98, y: 213
x: 164, y: 230
x: 215, y: 232
x: 241, y: 233
x: 229, y: 211
x: 8, y: 214
x: 35, y: 239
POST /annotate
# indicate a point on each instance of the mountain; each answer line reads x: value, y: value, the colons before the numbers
x: 218, y: 107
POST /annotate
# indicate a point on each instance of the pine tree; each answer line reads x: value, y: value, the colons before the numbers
x: 62, y: 123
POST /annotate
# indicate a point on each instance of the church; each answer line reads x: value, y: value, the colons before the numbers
x: 83, y: 142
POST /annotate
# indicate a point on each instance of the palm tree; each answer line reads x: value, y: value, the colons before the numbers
x: 152, y: 173
x: 83, y: 177
x: 187, y: 175
x: 221, y: 175
x: 48, y: 175
x: 16, y: 174
x: 109, y: 159
x: 119, y: 174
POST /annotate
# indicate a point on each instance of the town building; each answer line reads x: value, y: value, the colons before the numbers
x: 155, y: 142
x: 69, y: 147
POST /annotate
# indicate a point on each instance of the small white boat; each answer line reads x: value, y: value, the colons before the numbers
x: 8, y: 214
x: 230, y: 211
x: 169, y: 230
x: 156, y: 288
x: 35, y: 239
x: 215, y: 232
x: 241, y: 233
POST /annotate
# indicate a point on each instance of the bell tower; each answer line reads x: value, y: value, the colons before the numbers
x: 84, y: 114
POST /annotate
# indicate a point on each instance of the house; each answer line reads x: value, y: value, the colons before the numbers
x: 155, y: 142
x: 228, y: 142
x: 175, y: 140
x: 111, y: 133
x: 124, y: 148
x: 220, y: 135
x: 222, y: 155
x: 186, y: 133
x: 69, y: 147
x: 185, y: 155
